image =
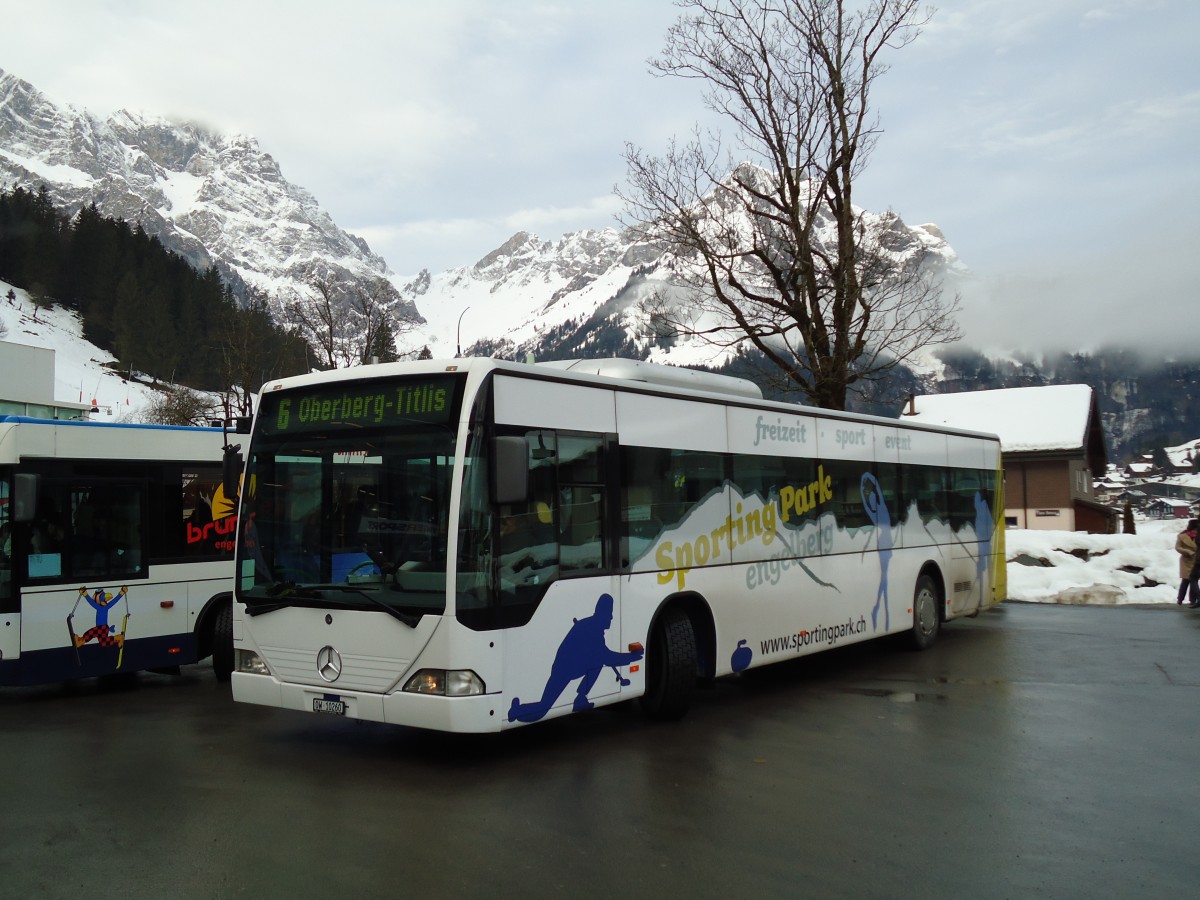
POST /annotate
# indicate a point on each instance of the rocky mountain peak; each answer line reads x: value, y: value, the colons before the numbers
x: 214, y: 199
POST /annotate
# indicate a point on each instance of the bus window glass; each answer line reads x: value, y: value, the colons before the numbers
x: 208, y: 530
x: 661, y: 488
x: 106, y: 529
x: 926, y: 487
x: 888, y: 477
x: 475, y: 537
x: 7, y: 603
x: 581, y: 495
x: 528, y: 548
x: 964, y: 486
x: 971, y: 499
x: 856, y: 494
x: 87, y: 530
x: 348, y: 498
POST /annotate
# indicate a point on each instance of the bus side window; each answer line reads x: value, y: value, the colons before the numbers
x: 528, y: 532
x: 926, y: 486
x: 107, y: 530
x: 47, y: 536
x: 581, y: 497
x: 201, y: 538
x: 6, y: 551
x: 964, y: 485
x: 659, y: 488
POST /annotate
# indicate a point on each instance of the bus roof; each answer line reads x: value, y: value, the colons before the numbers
x: 613, y: 372
x: 92, y: 423
x: 24, y: 437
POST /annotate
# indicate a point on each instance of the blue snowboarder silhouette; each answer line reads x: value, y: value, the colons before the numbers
x: 983, y: 532
x: 582, y: 654
x: 877, y: 511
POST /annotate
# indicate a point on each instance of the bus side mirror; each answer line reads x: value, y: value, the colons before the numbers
x: 241, y: 425
x: 510, y: 470
x: 231, y: 472
x: 24, y: 498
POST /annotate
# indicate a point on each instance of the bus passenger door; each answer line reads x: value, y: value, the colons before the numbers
x: 568, y: 655
x: 10, y: 621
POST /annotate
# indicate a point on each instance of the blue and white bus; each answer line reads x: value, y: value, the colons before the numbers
x: 472, y: 545
x: 116, y: 549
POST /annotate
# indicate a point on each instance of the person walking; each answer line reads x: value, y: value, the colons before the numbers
x: 1185, y: 546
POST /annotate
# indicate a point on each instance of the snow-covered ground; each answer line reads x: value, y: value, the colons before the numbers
x: 1117, y: 570
x: 80, y: 375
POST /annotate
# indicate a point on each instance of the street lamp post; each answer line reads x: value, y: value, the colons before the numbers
x: 458, y: 335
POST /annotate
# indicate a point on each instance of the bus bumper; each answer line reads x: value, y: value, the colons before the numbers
x: 458, y: 714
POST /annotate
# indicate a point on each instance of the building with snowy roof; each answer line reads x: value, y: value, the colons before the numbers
x: 1167, y: 508
x: 1051, y: 444
x: 1184, y: 459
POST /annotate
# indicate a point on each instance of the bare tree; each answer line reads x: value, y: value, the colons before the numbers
x: 324, y: 321
x: 181, y: 406
x: 349, y: 324
x: 374, y: 318
x: 772, y: 253
x: 253, y: 349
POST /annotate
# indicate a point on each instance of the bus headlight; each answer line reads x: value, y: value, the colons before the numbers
x: 249, y: 661
x: 443, y: 683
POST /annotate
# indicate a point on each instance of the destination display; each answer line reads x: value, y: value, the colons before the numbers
x: 373, y: 404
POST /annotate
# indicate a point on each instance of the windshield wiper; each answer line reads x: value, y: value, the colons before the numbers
x: 285, y: 593
x: 407, y: 618
x: 279, y: 596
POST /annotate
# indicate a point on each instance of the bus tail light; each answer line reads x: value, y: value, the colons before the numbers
x: 445, y: 683
x: 250, y: 662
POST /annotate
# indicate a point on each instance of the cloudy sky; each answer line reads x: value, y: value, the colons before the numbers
x: 1053, y: 141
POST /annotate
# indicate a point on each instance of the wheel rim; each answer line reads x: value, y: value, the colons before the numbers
x: 926, y: 611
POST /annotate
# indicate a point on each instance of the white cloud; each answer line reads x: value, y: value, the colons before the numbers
x: 1027, y: 130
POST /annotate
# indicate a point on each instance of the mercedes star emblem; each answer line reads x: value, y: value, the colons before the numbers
x: 329, y: 663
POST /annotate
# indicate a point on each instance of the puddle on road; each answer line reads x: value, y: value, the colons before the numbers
x: 895, y: 696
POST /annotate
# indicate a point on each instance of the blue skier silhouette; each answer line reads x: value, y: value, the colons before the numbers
x: 983, y: 532
x: 877, y: 511
x: 582, y: 654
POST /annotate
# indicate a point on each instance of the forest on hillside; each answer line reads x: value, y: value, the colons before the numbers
x: 143, y: 303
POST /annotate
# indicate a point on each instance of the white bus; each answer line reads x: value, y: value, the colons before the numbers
x: 471, y: 545
x: 116, y: 549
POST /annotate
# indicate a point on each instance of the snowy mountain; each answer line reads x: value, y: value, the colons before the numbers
x: 579, y: 296
x: 220, y: 200
x: 213, y: 199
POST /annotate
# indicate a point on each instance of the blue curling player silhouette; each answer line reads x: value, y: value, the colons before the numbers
x: 582, y: 654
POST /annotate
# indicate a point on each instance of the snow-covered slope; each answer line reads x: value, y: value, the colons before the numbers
x: 214, y: 199
x: 81, y: 374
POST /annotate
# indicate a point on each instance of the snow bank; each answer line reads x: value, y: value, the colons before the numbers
x: 1107, y: 569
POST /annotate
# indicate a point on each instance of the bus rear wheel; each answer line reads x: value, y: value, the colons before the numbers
x: 926, y: 621
x: 670, y: 666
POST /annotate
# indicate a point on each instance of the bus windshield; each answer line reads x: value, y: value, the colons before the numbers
x: 347, y: 496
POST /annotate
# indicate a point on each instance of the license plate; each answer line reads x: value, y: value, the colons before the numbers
x: 332, y: 707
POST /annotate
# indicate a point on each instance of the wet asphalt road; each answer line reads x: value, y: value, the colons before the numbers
x: 1036, y: 751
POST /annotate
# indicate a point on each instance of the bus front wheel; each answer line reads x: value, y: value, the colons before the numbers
x: 670, y: 666
x: 926, y: 621
x: 222, y: 641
